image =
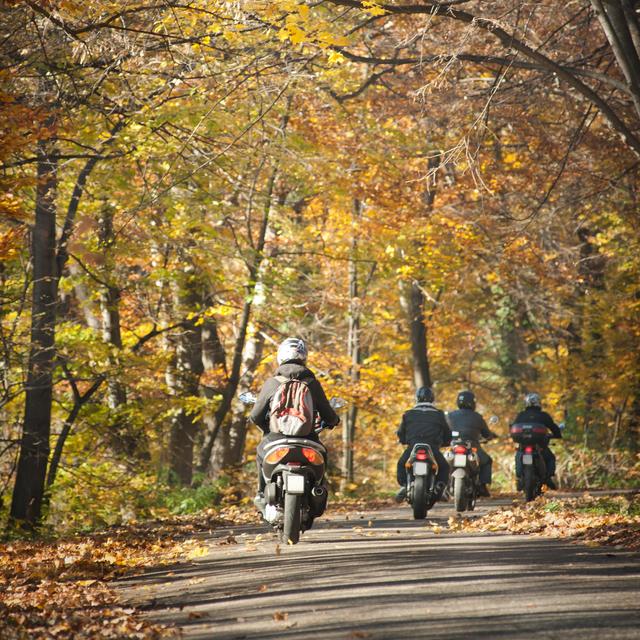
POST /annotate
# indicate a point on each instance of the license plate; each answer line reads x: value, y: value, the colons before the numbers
x: 527, y: 458
x: 460, y: 460
x: 419, y: 468
x: 293, y: 483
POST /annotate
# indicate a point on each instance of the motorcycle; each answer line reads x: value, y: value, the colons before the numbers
x: 464, y: 481
x: 531, y: 438
x: 295, y: 491
x: 422, y: 469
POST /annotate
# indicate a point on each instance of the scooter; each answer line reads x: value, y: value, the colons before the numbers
x: 295, y: 490
x: 464, y: 481
x: 422, y: 469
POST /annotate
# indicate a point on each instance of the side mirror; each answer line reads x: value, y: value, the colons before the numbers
x: 337, y: 403
x: 493, y: 420
x: 247, y: 397
x: 562, y: 425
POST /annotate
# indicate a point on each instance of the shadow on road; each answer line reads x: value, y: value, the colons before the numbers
x: 386, y: 576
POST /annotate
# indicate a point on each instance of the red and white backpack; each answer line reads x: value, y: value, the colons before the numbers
x: 292, y: 411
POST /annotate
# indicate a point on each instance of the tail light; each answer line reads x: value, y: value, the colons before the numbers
x: 421, y: 454
x: 528, y: 449
x: 313, y: 456
x: 459, y: 449
x: 277, y: 454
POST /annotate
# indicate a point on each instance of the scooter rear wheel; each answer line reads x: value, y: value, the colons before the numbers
x: 459, y: 494
x: 291, y: 527
x: 529, y: 482
x: 419, y: 501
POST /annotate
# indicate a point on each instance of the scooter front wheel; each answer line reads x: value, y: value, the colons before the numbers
x: 291, y: 528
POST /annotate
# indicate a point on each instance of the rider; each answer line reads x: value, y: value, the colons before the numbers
x: 424, y: 423
x: 471, y: 426
x: 533, y: 414
x: 291, y: 358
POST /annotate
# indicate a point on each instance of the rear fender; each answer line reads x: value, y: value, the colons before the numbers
x: 459, y: 473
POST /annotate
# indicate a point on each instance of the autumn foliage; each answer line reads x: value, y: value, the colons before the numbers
x: 421, y: 197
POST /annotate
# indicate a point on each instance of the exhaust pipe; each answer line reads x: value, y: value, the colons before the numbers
x: 319, y: 497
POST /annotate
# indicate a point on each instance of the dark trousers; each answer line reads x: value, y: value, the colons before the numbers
x: 549, y: 462
x: 442, y: 477
x: 485, y: 466
x: 260, y: 452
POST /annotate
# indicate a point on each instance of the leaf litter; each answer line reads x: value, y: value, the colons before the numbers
x: 58, y: 589
x: 594, y: 520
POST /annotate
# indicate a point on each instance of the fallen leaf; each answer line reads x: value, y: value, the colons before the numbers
x: 197, y: 614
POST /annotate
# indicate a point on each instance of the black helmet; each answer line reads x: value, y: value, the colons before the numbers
x: 466, y: 400
x: 532, y: 400
x: 424, y: 394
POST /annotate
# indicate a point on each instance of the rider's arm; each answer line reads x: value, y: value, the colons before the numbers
x: 445, y: 431
x: 260, y: 412
x: 553, y: 427
x: 485, y: 432
x: 322, y: 405
x: 402, y: 432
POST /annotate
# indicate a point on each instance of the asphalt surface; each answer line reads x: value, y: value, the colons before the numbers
x: 382, y: 575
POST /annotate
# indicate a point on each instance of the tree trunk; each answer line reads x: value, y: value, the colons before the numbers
x: 584, y: 342
x: 83, y: 297
x: 255, y: 269
x: 415, y: 304
x: 233, y: 381
x: 186, y: 384
x: 122, y: 437
x: 34, y: 449
x: 613, y: 20
x: 413, y: 299
x: 229, y: 449
x: 354, y: 350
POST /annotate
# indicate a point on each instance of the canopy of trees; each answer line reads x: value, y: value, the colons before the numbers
x: 440, y: 193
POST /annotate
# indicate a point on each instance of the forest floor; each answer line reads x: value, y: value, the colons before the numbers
x: 366, y: 570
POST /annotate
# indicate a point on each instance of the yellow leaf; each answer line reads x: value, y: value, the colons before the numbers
x: 296, y: 35
x: 373, y: 8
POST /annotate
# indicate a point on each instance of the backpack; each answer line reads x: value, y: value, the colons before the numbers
x: 292, y: 411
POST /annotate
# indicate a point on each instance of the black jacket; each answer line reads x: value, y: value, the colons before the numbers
x: 424, y: 423
x: 295, y: 370
x: 535, y: 415
x: 469, y: 424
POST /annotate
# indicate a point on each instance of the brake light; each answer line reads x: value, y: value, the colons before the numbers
x: 528, y: 449
x: 313, y: 456
x: 277, y: 454
x: 459, y: 449
x: 421, y: 454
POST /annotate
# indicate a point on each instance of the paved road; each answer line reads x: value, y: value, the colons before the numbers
x: 381, y: 575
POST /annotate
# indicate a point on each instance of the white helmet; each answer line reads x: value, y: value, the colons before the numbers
x: 532, y: 400
x: 292, y: 349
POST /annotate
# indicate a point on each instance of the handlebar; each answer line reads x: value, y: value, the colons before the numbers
x: 322, y: 426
